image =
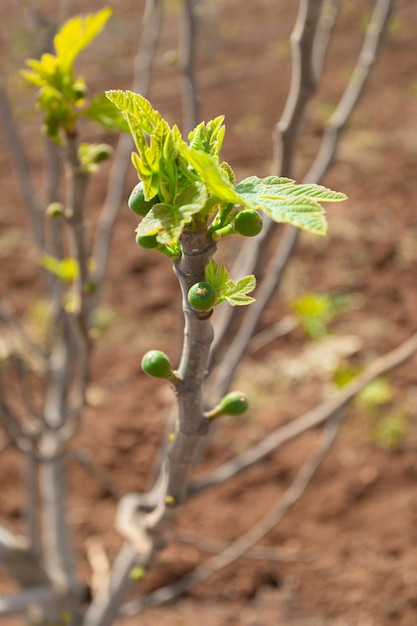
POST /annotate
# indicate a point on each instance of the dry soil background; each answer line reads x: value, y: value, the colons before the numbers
x: 358, y: 519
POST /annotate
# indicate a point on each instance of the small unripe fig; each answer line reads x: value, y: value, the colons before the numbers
x: 248, y: 223
x: 234, y: 403
x: 147, y: 241
x: 101, y: 153
x: 55, y: 209
x: 202, y: 296
x: 137, y: 202
x: 79, y: 90
x: 156, y: 363
x: 89, y: 286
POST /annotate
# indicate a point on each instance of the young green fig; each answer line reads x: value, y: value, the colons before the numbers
x: 234, y: 403
x: 55, y: 209
x: 156, y: 363
x: 147, y: 241
x: 202, y: 296
x: 137, y: 202
x: 248, y: 223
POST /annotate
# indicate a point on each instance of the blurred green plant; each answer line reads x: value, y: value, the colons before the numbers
x: 315, y: 311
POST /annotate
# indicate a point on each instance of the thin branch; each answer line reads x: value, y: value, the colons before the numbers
x: 12, y: 425
x: 288, y: 242
x: 187, y: 57
x: 151, y: 24
x: 373, y: 39
x: 36, y: 597
x: 325, y: 28
x: 31, y: 500
x: 226, y: 370
x: 22, y: 169
x: 241, y: 546
x: 20, y: 562
x: 311, y: 419
x: 303, y: 85
x: 267, y: 553
x: 104, y: 608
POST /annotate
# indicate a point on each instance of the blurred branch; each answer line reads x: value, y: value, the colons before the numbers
x: 357, y: 83
x: 303, y: 85
x: 311, y: 419
x: 267, y: 553
x: 287, y: 132
x: 151, y: 24
x: 325, y: 27
x: 36, y: 597
x: 22, y: 564
x: 22, y: 169
x: 242, y: 545
x: 187, y: 57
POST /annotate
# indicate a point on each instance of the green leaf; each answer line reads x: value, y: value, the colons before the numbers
x: 236, y: 293
x: 209, y: 170
x: 208, y: 137
x: 65, y: 269
x: 284, y: 201
x: 139, y: 113
x: 102, y: 111
x: 169, y: 220
x: 216, y: 275
x: 300, y: 212
x: 77, y: 34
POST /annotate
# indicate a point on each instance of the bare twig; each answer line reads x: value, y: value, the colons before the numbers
x: 278, y: 264
x: 326, y: 24
x: 367, y: 57
x: 21, y: 563
x: 141, y: 80
x: 226, y: 370
x: 187, y: 57
x: 311, y: 419
x: 35, y: 597
x: 303, y: 85
x: 240, y: 547
x: 268, y: 553
x: 22, y: 169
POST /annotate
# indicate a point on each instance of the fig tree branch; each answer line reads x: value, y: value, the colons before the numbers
x: 142, y: 65
x: 311, y: 419
x: 187, y: 58
x: 239, y: 547
x: 279, y: 262
x: 302, y: 88
x: 374, y: 35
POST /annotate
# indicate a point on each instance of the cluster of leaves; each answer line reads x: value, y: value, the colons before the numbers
x: 62, y: 95
x: 188, y: 187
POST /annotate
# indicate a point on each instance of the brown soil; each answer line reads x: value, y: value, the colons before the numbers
x: 349, y: 544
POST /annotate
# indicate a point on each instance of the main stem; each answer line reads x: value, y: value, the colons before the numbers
x: 197, y: 248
